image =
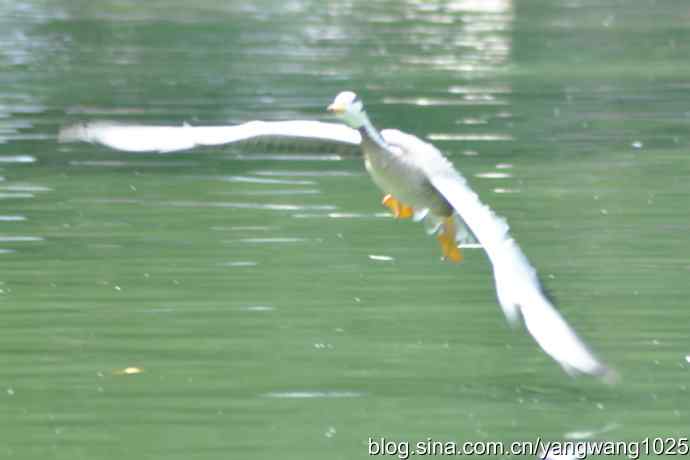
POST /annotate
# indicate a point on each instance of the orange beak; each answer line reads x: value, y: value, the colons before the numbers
x: 336, y: 108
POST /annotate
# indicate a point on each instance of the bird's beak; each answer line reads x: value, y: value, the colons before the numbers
x: 336, y: 108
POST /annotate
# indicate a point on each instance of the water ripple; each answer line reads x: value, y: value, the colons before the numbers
x: 341, y: 215
x: 493, y: 175
x: 267, y: 240
x: 293, y: 173
x: 479, y: 90
x: 239, y: 263
x: 263, y: 180
x: 426, y: 102
x: 469, y: 137
x: 18, y: 239
x: 17, y: 159
x: 239, y: 205
x: 242, y: 228
x: 314, y: 394
x: 26, y: 188
x: 380, y: 258
x: 308, y: 191
x: 8, y: 196
x: 287, y: 157
x: 138, y: 164
x: 257, y: 308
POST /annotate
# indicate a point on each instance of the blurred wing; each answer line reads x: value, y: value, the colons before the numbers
x: 134, y: 138
x: 517, y: 286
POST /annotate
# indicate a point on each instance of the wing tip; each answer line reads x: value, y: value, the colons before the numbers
x: 73, y: 133
x: 599, y: 370
x: 608, y: 375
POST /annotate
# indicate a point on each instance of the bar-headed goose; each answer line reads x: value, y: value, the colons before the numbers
x: 417, y: 181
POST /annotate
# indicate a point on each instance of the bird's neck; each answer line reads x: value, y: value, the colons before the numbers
x: 369, y: 133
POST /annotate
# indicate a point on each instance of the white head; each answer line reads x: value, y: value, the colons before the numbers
x: 349, y: 108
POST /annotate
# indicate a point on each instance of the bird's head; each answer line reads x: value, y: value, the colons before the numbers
x: 349, y: 108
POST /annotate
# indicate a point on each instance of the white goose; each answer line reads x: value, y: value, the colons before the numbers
x: 418, y: 182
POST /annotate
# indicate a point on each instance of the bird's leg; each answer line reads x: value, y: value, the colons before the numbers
x: 400, y: 210
x: 446, y: 239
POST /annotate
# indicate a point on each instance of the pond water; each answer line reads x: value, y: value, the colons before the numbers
x: 225, y: 303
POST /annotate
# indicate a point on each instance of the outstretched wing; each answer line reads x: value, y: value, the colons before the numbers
x: 517, y: 285
x: 137, y: 138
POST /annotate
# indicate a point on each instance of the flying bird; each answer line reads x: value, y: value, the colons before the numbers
x: 417, y: 182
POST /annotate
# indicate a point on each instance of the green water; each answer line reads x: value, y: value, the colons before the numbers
x: 269, y: 331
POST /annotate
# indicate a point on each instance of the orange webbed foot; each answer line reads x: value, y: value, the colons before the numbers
x: 399, y: 210
x: 446, y: 239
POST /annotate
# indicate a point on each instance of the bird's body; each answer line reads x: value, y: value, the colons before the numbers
x: 418, y: 182
x: 396, y: 172
x: 397, y: 165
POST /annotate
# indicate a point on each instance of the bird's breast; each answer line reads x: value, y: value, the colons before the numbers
x: 407, y: 183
